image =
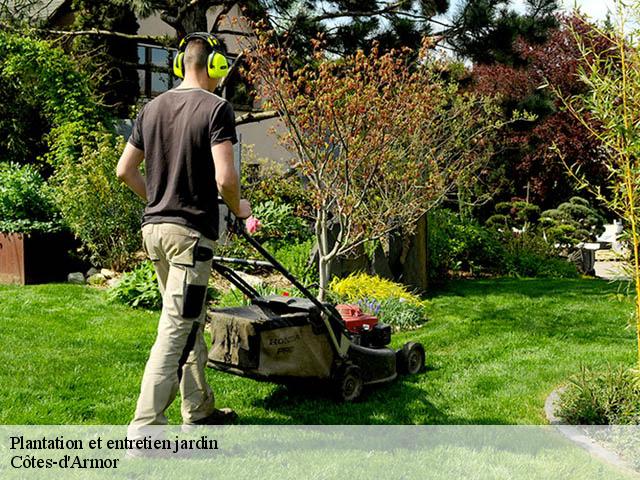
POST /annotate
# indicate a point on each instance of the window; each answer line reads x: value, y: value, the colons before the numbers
x: 155, y: 70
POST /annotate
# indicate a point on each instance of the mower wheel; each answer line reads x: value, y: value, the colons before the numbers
x: 410, y: 359
x: 348, y: 383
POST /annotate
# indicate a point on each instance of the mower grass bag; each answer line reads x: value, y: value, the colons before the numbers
x: 287, y: 339
x: 275, y: 339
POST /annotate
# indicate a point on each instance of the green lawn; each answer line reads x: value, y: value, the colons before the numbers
x: 495, y: 349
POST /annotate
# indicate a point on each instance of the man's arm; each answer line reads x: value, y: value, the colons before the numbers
x: 128, y: 170
x: 228, y: 179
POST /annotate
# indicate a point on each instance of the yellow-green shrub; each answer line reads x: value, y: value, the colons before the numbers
x: 100, y: 210
x: 360, y: 286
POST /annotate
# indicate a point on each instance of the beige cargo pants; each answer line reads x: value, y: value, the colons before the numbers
x: 182, y: 260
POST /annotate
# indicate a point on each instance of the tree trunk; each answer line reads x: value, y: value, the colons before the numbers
x: 324, y: 269
x: 324, y: 247
x: 415, y: 264
x: 195, y: 18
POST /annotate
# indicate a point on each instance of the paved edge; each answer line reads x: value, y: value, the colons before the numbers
x: 576, y: 435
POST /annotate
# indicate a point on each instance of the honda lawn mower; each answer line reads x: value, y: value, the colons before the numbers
x: 288, y: 340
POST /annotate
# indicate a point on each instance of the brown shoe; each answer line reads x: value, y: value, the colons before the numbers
x: 223, y: 416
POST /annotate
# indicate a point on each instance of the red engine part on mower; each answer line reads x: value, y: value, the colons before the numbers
x: 354, y: 319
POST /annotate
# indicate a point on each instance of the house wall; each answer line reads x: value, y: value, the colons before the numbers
x: 232, y: 21
x: 153, y: 25
x: 264, y: 138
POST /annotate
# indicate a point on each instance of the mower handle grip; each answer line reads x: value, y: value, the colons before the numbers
x: 235, y: 224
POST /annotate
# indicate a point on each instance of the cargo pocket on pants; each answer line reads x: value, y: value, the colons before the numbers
x: 196, y: 281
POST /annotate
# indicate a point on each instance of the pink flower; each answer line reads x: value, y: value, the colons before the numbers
x: 253, y: 224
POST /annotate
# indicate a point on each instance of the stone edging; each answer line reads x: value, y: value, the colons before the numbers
x: 577, y: 436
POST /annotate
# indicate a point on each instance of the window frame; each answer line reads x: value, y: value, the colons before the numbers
x: 148, y: 67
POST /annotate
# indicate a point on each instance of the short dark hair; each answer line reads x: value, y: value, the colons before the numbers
x: 196, y: 53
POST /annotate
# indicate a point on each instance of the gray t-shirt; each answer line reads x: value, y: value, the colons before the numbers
x: 176, y: 131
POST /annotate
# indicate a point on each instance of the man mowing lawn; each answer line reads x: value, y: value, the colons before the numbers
x: 185, y: 137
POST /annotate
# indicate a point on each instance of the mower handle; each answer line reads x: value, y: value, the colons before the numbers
x: 236, y: 225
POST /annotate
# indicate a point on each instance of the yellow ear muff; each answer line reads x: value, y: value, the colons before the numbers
x: 178, y: 65
x: 217, y: 65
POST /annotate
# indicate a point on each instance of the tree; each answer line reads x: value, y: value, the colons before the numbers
x: 572, y: 222
x: 110, y: 60
x: 347, y: 25
x: 101, y: 41
x: 486, y: 31
x: 380, y: 141
x: 41, y: 91
x: 610, y: 111
x: 527, y: 165
x: 516, y: 214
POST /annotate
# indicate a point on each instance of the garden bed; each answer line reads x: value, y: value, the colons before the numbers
x: 617, y: 445
x: 600, y: 411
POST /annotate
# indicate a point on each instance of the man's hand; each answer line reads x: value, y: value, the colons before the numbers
x: 245, y: 209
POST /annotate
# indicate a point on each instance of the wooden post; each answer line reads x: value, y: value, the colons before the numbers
x: 415, y: 268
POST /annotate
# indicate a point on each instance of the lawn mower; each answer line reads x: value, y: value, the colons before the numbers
x: 289, y: 340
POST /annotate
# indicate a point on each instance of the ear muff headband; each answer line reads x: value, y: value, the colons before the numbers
x: 217, y: 64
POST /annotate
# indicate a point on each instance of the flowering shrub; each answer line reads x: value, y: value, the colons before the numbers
x: 397, y: 312
x: 363, y: 286
x: 401, y: 314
